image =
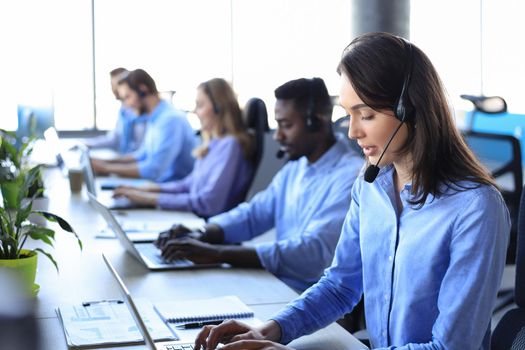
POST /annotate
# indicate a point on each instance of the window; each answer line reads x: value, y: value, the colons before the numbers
x: 473, y: 45
x: 49, y: 60
x: 256, y: 44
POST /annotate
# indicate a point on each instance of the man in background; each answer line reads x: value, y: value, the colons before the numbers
x: 165, y: 152
x: 130, y: 128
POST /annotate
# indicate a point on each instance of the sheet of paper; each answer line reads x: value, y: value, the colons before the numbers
x: 110, y: 323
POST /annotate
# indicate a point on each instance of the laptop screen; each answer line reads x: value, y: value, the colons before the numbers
x: 131, y: 305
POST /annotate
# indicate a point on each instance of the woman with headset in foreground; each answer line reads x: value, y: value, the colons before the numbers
x: 426, y: 235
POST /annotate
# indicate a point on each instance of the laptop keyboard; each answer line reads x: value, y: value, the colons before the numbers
x: 179, y: 347
x: 153, y: 253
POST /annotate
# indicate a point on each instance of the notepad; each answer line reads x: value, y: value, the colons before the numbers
x: 109, y: 323
x: 203, y: 310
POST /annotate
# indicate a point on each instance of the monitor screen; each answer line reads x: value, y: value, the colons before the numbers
x: 33, y: 121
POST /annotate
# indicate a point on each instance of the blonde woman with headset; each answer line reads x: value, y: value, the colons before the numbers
x: 223, y: 169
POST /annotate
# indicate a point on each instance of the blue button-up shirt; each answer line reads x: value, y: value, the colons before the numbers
x: 165, y: 153
x: 132, y: 130
x: 306, y: 203
x: 127, y: 135
x: 217, y: 183
x: 429, y: 275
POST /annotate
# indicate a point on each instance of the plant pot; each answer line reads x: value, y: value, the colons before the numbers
x: 24, y: 269
x: 10, y: 193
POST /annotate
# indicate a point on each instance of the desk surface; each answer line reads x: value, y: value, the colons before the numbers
x: 83, y: 275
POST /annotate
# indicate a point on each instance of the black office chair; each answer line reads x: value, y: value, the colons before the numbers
x: 256, y: 119
x: 266, y: 164
x: 264, y: 160
x: 510, y: 331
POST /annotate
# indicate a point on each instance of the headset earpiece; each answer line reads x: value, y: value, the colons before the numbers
x: 216, y: 109
x: 214, y: 106
x: 141, y: 93
x: 403, y: 109
x: 312, y: 120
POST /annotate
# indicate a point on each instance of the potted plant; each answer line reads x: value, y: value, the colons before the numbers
x: 14, y: 153
x: 15, y: 230
x: 9, y: 182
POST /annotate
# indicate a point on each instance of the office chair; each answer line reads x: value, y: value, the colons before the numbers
x: 485, y: 104
x: 510, y: 331
x: 501, y: 154
x: 256, y: 119
x: 265, y: 162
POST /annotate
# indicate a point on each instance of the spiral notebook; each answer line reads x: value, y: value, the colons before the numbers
x: 203, y: 310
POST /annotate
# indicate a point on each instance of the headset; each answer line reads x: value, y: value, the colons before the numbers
x: 124, y: 77
x: 214, y: 105
x: 312, y: 120
x: 403, y: 110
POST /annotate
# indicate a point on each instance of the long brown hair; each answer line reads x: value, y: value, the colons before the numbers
x: 225, y: 104
x: 376, y: 65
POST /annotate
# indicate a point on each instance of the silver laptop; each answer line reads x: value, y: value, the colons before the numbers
x: 51, y: 137
x: 149, y: 255
x: 171, y: 345
x: 105, y: 197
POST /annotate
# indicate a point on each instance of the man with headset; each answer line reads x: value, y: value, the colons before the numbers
x: 129, y: 132
x: 165, y: 153
x: 306, y: 201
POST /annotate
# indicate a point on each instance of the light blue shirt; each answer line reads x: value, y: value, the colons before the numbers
x: 306, y: 203
x: 127, y: 135
x: 132, y: 130
x: 218, y: 182
x: 165, y: 153
x: 435, y: 291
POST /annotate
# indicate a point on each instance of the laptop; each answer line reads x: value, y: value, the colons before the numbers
x: 171, y: 345
x: 145, y: 252
x: 51, y: 137
x: 105, y: 197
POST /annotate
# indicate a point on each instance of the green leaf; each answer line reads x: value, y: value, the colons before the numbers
x: 41, y: 233
x: 29, y: 178
x: 61, y: 222
x: 49, y: 256
x: 23, y: 213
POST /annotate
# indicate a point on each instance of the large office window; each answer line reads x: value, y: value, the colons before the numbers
x: 275, y: 41
x: 256, y: 44
x: 180, y: 43
x: 474, y: 45
x: 46, y: 48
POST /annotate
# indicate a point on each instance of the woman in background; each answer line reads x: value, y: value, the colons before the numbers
x: 223, y: 170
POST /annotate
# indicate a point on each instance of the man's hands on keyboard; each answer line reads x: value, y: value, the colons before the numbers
x: 192, y: 249
x: 176, y: 231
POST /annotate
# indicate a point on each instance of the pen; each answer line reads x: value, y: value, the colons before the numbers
x: 109, y: 301
x: 197, y: 324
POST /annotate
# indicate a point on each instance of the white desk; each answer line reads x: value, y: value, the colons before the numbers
x: 83, y: 276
